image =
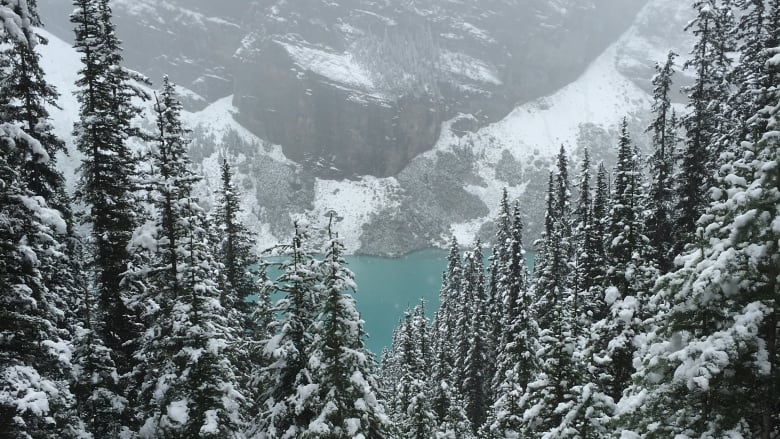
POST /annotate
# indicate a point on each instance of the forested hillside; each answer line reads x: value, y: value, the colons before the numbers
x: 129, y: 308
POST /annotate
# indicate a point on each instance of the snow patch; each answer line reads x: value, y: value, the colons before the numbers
x: 341, y: 68
x: 178, y: 411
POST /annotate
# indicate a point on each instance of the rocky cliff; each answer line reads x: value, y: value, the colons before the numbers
x: 361, y: 87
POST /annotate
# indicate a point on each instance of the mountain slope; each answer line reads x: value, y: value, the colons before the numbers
x: 453, y: 188
x: 361, y: 87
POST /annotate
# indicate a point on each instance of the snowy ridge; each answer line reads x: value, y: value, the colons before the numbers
x: 601, y: 96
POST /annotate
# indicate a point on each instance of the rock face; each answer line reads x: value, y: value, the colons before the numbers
x: 361, y: 87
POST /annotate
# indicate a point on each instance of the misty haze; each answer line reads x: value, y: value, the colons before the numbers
x: 389, y: 219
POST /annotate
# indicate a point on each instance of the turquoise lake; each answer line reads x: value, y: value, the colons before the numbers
x: 388, y: 286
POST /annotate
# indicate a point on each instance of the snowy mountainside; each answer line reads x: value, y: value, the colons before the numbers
x: 360, y: 87
x: 451, y: 189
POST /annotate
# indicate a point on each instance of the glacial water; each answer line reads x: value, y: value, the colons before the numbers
x: 388, y: 286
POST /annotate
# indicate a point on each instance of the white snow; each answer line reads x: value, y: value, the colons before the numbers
x: 601, y: 96
x: 341, y: 68
x: 466, y: 66
x: 211, y: 424
x: 50, y: 217
x: 178, y: 411
x: 353, y: 203
x: 217, y: 119
x: 61, y: 63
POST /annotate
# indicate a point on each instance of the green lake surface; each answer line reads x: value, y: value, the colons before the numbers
x: 386, y: 287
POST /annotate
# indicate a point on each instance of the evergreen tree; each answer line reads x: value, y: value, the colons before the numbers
x: 660, y: 226
x: 191, y: 389
x: 555, y: 310
x: 582, y: 260
x: 283, y: 409
x: 517, y: 362
x: 706, y: 96
x: 593, y: 261
x: 106, y: 184
x: 34, y: 396
x: 347, y: 396
x: 35, y: 399
x: 475, y: 383
x: 235, y: 243
x: 709, y: 365
x: 499, y: 261
x: 24, y: 80
x: 447, y: 404
x: 553, y: 275
x: 95, y: 378
x: 630, y: 273
x: 413, y: 413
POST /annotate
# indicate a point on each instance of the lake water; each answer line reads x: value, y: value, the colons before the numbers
x: 387, y: 286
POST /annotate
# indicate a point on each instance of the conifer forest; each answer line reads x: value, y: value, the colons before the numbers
x: 130, y: 309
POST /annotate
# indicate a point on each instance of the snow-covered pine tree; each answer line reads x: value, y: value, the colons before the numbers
x: 452, y: 282
x: 445, y: 399
x: 582, y: 260
x: 236, y: 245
x: 709, y: 366
x: 499, y: 261
x: 473, y: 379
x: 289, y: 381
x: 347, y: 402
x: 553, y: 277
x: 412, y: 411
x: 751, y: 33
x: 35, y: 399
x: 554, y: 309
x: 549, y: 388
x: 24, y: 81
x: 704, y: 122
x: 447, y: 404
x: 630, y: 274
x: 660, y: 226
x: 108, y: 168
x: 189, y: 388
x: 517, y: 362
x: 241, y: 279
x: 591, y: 263
x: 95, y: 378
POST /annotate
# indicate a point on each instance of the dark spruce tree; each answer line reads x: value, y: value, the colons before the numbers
x: 106, y: 183
x: 235, y: 243
x: 95, y: 377
x: 190, y: 388
x: 34, y: 396
x: 496, y: 289
x: 347, y: 397
x: 35, y: 399
x: 282, y: 410
x: 475, y: 383
x: 660, y: 224
x: 710, y: 64
x: 517, y: 361
x: 24, y: 80
x: 710, y: 365
x: 629, y: 275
